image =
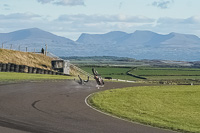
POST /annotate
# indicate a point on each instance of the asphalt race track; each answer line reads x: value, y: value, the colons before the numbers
x: 59, y: 107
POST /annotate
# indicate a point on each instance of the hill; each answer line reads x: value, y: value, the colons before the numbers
x: 138, y: 45
x: 25, y: 58
x: 143, y: 45
x: 34, y: 38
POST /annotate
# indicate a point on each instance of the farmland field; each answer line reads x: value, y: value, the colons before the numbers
x: 167, y: 73
x: 171, y: 107
x: 177, y: 75
x: 114, y: 72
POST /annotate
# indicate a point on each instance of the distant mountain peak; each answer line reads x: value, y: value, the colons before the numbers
x: 32, y: 35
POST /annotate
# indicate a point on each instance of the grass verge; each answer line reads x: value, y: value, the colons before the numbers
x: 15, y: 77
x: 172, y: 107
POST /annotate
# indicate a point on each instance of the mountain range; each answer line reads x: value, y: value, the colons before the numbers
x: 138, y: 45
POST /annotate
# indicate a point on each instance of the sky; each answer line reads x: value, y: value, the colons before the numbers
x: 71, y: 18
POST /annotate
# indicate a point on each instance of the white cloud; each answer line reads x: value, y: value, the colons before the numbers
x: 5, y: 7
x: 63, y: 2
x: 170, y: 21
x: 188, y: 25
x: 104, y: 18
x: 163, y: 4
x: 45, y: 1
x: 192, y: 20
x: 74, y: 25
x: 70, y: 2
x: 19, y: 16
x: 120, y: 5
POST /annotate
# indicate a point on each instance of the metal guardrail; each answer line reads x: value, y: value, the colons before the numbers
x: 53, y: 56
x: 80, y: 70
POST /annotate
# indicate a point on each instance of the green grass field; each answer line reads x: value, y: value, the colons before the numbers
x: 171, y: 107
x: 115, y: 73
x: 11, y: 76
x: 167, y: 73
x: 175, y: 75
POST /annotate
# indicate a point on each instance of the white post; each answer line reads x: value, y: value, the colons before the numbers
x: 46, y: 49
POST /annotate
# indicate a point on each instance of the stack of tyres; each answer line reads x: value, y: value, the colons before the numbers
x: 38, y: 71
x: 45, y: 71
x: 16, y: 69
x: 30, y: 69
x: 23, y: 68
x: 34, y: 70
x: 12, y: 67
x: 42, y: 71
x: 3, y: 67
x: 49, y: 72
x: 7, y: 67
x: 0, y: 67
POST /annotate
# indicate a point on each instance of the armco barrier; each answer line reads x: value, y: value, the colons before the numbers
x: 26, y: 69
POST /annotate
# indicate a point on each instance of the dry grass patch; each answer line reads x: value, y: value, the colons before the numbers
x: 25, y: 58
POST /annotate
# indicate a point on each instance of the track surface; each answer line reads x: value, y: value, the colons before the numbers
x: 59, y: 107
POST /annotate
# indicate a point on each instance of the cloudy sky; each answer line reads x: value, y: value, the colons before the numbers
x: 70, y: 18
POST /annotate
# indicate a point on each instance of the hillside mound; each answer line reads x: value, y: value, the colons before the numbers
x: 25, y: 58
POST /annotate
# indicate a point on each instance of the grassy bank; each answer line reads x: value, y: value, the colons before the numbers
x: 25, y: 58
x: 171, y: 107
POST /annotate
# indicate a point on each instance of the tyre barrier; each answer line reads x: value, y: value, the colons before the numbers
x: 26, y: 69
x: 34, y: 70
x: 12, y: 67
x: 16, y: 69
x: 3, y: 67
x: 30, y: 69
x: 7, y: 67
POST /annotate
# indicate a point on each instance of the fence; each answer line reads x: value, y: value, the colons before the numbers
x: 24, y: 48
x: 80, y: 70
